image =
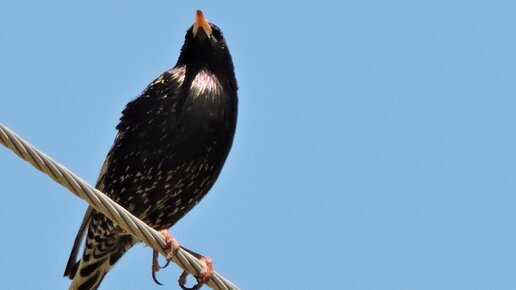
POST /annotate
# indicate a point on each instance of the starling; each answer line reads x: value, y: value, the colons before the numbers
x: 171, y: 145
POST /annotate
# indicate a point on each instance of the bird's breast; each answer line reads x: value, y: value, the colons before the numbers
x: 207, y: 105
x: 207, y: 113
x: 206, y: 85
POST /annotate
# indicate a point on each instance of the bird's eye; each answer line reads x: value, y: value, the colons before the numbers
x: 217, y: 35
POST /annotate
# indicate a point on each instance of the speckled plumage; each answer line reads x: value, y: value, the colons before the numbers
x: 171, y: 145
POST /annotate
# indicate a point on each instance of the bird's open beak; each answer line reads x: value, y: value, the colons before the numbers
x: 201, y: 22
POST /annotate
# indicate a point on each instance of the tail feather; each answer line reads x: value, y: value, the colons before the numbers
x: 72, y: 264
x: 104, y: 246
x: 100, y: 254
x: 89, y: 274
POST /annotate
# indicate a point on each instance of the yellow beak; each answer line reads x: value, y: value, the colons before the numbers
x: 201, y: 22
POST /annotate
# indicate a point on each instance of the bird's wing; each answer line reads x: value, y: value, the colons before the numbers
x: 133, y: 133
x: 141, y: 126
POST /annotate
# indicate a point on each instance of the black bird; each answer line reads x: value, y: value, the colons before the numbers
x: 171, y: 145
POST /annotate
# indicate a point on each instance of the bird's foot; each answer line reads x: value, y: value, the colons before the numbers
x: 172, y: 246
x: 205, y: 275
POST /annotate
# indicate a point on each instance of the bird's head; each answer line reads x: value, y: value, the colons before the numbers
x: 205, y: 45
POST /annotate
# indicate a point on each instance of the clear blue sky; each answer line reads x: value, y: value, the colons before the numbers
x: 375, y: 147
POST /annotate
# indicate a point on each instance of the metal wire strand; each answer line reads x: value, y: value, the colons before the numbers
x: 105, y: 205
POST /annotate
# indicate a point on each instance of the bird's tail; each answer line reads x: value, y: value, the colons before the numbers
x: 100, y: 254
x: 89, y: 274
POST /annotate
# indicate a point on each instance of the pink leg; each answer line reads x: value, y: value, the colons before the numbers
x: 171, y: 249
x: 205, y: 275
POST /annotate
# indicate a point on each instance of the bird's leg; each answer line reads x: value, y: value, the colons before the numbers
x: 204, y: 276
x: 172, y: 246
